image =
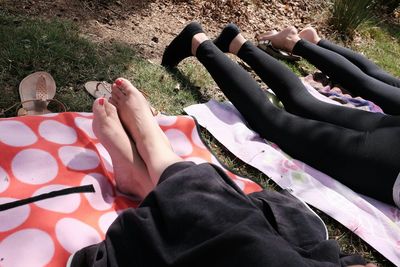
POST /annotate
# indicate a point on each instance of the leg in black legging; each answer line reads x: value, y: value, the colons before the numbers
x: 297, y: 100
x: 365, y: 161
x: 366, y: 65
x: 350, y: 76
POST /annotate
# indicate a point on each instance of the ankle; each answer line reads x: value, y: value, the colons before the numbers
x: 157, y: 157
x: 236, y: 44
x: 197, y: 40
x: 291, y: 42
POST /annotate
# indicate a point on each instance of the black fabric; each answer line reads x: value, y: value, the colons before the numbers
x: 366, y: 161
x: 297, y: 100
x: 198, y: 217
x: 351, y: 77
x: 181, y: 47
x: 57, y: 193
x: 225, y: 38
x: 366, y: 65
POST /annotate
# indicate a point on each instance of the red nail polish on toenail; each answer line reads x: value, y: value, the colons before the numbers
x: 118, y: 82
x: 101, y: 101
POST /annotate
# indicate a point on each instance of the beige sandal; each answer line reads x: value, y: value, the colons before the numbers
x: 99, y: 89
x: 36, y: 92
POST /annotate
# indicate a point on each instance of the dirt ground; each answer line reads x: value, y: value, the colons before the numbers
x: 151, y: 25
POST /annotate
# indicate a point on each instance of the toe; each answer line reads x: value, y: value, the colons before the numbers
x: 111, y: 110
x: 112, y: 101
x: 99, y: 108
x: 116, y: 93
x: 125, y: 85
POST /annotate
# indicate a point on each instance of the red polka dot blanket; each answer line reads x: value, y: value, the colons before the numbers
x: 49, y: 167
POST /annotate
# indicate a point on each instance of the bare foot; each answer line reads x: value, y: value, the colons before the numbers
x: 284, y: 40
x: 130, y: 172
x: 151, y: 142
x: 309, y: 34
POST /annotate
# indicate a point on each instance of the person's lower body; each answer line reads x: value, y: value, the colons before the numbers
x: 366, y: 65
x: 190, y: 211
x: 350, y: 76
x: 197, y: 216
x: 340, y: 69
x: 292, y: 92
x: 353, y: 157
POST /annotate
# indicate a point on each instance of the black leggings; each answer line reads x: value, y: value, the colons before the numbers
x: 366, y: 65
x: 354, y: 72
x: 365, y: 159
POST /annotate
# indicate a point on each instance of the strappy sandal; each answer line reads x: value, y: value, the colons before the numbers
x: 99, y: 89
x: 267, y: 47
x: 36, y: 92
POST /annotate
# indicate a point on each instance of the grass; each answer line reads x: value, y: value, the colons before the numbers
x: 29, y: 45
x: 383, y: 46
x: 349, y: 15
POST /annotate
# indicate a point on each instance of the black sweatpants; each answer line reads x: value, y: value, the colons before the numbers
x: 197, y: 216
x: 358, y: 148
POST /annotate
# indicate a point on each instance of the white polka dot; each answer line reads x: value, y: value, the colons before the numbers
x: 12, y: 218
x: 63, y: 204
x: 166, y: 120
x: 85, y: 125
x: 49, y: 115
x: 57, y: 132
x: 78, y: 158
x: 105, y: 157
x: 196, y: 138
x: 106, y: 220
x: 215, y: 161
x: 34, y: 166
x: 239, y: 183
x: 196, y: 160
x: 16, y: 133
x: 74, y: 234
x: 179, y: 142
x: 4, y: 180
x: 28, y: 247
x: 86, y: 114
x: 103, y: 197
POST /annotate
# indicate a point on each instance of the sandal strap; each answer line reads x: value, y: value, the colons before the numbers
x: 105, y: 85
x: 19, y: 104
x: 41, y: 88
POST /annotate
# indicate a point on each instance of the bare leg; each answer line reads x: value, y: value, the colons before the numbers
x: 151, y: 142
x: 130, y: 172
